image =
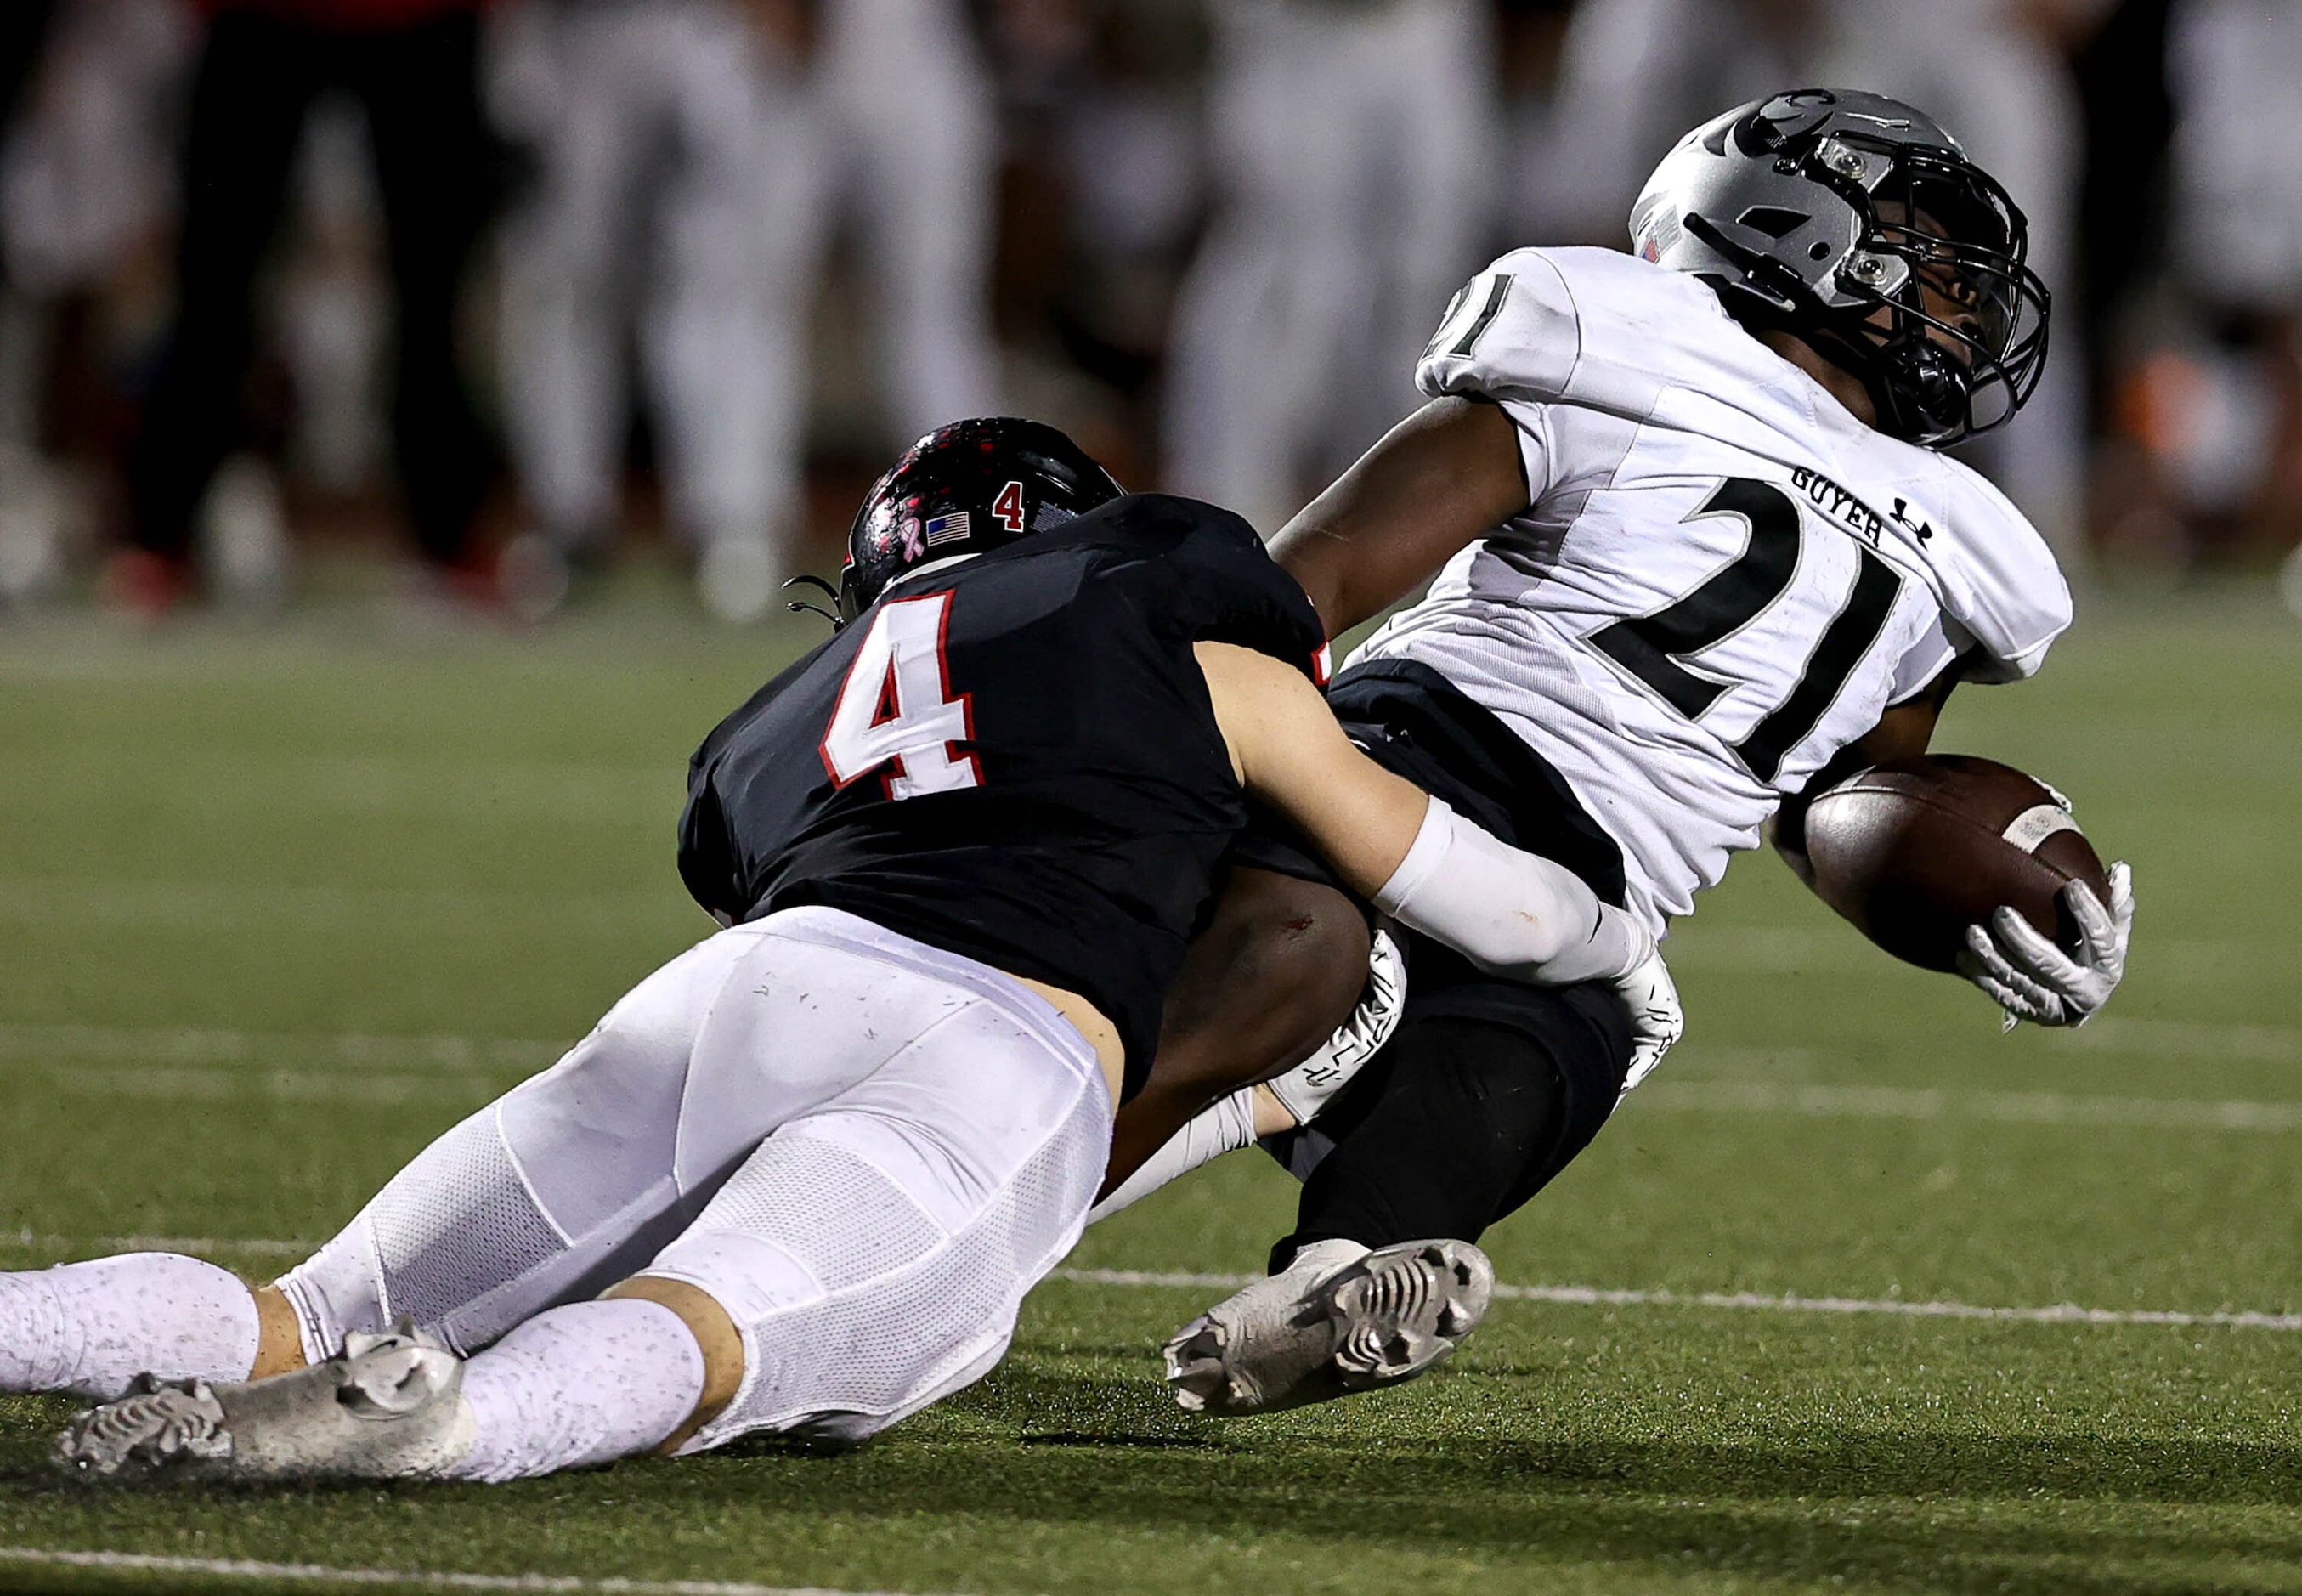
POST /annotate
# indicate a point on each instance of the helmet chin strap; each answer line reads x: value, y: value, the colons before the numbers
x: 1932, y: 394
x: 801, y: 607
x: 1919, y: 390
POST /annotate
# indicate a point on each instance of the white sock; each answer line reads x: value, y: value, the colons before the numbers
x: 579, y: 1385
x: 91, y: 1328
x: 1225, y: 1127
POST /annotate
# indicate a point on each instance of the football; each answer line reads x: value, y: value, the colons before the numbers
x: 1915, y: 851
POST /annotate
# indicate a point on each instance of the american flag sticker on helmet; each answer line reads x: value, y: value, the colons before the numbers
x: 947, y: 529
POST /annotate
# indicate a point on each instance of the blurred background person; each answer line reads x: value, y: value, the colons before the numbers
x: 693, y: 159
x: 412, y: 66
x: 668, y: 141
x: 88, y: 202
x: 1537, y: 195
x: 904, y: 145
x: 2205, y: 456
x: 1631, y: 71
x: 1103, y: 189
x: 1998, y: 74
x: 1353, y: 148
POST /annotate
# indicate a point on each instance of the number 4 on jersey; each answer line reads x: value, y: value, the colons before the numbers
x: 896, y: 706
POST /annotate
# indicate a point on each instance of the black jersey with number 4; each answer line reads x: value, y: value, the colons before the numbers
x: 1013, y: 758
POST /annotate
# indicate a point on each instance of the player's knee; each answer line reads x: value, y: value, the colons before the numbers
x: 717, y: 1338
x: 1278, y: 967
x: 1304, y: 954
x: 1325, y: 966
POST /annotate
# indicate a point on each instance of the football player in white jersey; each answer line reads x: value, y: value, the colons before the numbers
x: 1697, y: 556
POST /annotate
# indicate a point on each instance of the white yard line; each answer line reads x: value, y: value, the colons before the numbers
x: 196, y: 1245
x: 2186, y: 1038
x: 1753, y: 1302
x: 474, y: 1068
x: 1899, y: 1103
x: 207, y: 907
x: 1561, y: 1296
x: 316, y: 1573
x: 349, y: 1086
x: 205, y: 1045
x: 191, y: 1045
x: 1717, y: 948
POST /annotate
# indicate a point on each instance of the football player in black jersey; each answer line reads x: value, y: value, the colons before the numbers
x: 799, y: 1179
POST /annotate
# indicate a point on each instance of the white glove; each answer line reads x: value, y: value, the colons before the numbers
x: 1657, y: 1022
x: 1304, y: 1090
x: 2033, y: 979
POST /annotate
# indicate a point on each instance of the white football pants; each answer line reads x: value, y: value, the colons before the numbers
x: 865, y: 1149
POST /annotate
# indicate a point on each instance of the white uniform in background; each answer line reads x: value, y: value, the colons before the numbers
x: 88, y: 174
x: 2235, y: 69
x: 1632, y: 71
x: 657, y: 125
x: 690, y: 172
x: 904, y: 130
x: 1352, y: 146
x: 1723, y: 576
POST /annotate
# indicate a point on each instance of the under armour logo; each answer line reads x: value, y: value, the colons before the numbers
x: 1916, y: 524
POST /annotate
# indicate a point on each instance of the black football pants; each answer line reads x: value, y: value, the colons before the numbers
x: 434, y: 161
x: 1485, y: 1092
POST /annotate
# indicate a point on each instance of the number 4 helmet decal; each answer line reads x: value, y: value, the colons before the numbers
x: 1007, y: 510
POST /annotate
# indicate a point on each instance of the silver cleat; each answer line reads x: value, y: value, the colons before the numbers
x: 387, y: 1407
x: 1339, y: 1320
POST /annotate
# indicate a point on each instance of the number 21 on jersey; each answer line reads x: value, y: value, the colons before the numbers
x: 896, y: 707
x: 1664, y: 649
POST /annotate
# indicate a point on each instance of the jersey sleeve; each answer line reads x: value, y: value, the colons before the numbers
x: 2001, y: 586
x: 1513, y: 335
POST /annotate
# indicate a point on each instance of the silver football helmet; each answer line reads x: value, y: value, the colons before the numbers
x: 1857, y: 222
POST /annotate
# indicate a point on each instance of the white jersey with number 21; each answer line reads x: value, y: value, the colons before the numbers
x: 1723, y: 578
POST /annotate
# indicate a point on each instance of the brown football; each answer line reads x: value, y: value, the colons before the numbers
x: 1915, y: 851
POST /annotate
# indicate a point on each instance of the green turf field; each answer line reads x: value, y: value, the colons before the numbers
x: 276, y: 907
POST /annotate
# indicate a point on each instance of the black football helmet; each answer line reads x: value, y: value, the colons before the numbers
x: 1857, y: 222
x: 965, y: 488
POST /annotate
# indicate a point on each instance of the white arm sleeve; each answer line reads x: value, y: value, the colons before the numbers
x: 1226, y: 1128
x: 1508, y: 911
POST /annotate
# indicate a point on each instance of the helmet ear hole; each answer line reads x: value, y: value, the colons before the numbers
x: 1773, y: 219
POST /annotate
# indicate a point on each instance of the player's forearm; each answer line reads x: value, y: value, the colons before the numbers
x: 1510, y: 913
